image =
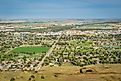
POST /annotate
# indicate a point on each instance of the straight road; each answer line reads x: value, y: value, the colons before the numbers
x: 47, y: 54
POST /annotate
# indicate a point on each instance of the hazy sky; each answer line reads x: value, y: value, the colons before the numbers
x: 60, y: 8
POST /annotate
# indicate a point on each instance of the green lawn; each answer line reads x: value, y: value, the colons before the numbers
x: 31, y: 49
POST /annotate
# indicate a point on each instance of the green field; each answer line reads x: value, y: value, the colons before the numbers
x: 31, y: 49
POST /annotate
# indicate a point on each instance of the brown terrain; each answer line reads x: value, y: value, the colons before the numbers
x: 67, y: 72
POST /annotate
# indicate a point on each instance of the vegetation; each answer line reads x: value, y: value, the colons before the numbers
x: 30, y: 49
x: 81, y: 50
x: 12, y: 79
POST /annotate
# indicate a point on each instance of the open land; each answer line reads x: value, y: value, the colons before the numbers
x: 66, y: 72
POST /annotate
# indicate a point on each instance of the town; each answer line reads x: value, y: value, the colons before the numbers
x: 22, y: 48
x: 31, y: 46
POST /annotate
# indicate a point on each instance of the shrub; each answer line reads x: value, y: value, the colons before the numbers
x: 42, y: 77
x: 12, y: 79
x: 32, y: 76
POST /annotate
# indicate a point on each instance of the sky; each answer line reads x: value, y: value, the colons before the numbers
x: 60, y: 9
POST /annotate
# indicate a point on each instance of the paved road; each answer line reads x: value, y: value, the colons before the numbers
x: 47, y: 54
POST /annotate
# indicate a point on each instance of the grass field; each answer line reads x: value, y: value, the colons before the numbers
x: 31, y: 49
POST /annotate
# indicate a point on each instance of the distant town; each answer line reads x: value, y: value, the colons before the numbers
x: 75, y: 41
x: 27, y: 45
